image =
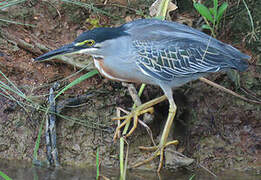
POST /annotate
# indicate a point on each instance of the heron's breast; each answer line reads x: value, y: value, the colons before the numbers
x: 109, y: 72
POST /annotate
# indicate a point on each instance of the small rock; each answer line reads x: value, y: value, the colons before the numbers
x: 76, y: 147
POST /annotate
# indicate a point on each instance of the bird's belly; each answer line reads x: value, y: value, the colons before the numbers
x: 110, y: 73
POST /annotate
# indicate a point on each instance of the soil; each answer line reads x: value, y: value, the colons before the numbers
x: 218, y: 130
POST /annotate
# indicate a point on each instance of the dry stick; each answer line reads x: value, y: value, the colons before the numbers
x: 51, y: 4
x: 227, y: 90
x: 133, y: 93
x: 135, y: 97
x: 20, y: 42
x: 250, y: 93
x: 207, y: 170
x: 37, y: 48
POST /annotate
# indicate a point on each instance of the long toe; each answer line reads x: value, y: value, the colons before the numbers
x: 159, y: 151
x: 133, y: 115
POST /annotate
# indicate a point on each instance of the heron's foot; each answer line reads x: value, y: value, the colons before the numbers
x: 159, y: 151
x: 133, y: 115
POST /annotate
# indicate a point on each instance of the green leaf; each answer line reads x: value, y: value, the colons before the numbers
x: 215, y: 8
x: 221, y: 11
x: 203, y: 10
x: 211, y: 10
x: 205, y: 26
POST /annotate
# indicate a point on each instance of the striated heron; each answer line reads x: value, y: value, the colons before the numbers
x: 151, y: 51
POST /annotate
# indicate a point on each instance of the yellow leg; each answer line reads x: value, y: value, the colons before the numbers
x: 163, y: 141
x: 144, y: 108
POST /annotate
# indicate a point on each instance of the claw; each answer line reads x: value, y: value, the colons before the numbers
x: 116, y: 134
x: 145, y: 108
x: 135, y: 114
x: 159, y: 151
x: 136, y: 120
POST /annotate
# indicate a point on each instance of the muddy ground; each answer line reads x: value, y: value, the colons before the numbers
x: 218, y: 130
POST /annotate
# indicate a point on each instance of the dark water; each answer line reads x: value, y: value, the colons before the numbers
x: 19, y: 170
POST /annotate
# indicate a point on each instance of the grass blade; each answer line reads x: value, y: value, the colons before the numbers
x: 13, y: 85
x: 192, y: 177
x: 97, y: 165
x: 77, y: 81
x: 221, y: 11
x: 38, y: 140
x: 215, y: 9
x: 12, y: 3
x: 3, y: 175
x: 18, y: 23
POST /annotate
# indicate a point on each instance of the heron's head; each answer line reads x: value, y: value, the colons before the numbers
x: 93, y: 42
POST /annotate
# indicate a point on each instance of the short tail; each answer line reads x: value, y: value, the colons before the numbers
x: 239, y: 60
x: 240, y: 64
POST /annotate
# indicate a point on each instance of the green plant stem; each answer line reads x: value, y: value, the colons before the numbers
x: 161, y: 14
x: 122, y: 158
x: 212, y: 29
x: 37, y: 144
x: 249, y: 14
x: 122, y: 139
x: 3, y: 175
x: 97, y: 165
x: 251, y: 20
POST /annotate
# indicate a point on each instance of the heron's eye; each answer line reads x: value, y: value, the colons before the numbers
x: 86, y: 42
x: 89, y: 42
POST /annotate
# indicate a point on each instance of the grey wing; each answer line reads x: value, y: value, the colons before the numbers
x: 156, y: 30
x: 168, y: 49
x: 178, y: 59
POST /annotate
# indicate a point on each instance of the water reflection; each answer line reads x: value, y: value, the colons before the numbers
x: 19, y: 170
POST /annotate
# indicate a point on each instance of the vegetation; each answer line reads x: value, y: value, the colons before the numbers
x: 4, y: 176
x: 97, y: 164
x: 212, y: 16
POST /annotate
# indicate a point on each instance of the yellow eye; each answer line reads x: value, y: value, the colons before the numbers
x: 90, y: 42
x: 86, y: 42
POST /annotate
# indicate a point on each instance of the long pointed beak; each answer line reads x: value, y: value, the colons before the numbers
x: 66, y: 49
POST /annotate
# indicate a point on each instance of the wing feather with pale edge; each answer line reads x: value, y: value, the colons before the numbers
x: 173, y: 59
x: 167, y: 49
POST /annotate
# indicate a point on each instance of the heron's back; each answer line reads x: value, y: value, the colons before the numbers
x: 168, y: 51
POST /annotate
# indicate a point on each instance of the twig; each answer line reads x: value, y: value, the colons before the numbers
x: 133, y: 93
x: 207, y: 170
x: 136, y: 99
x: 34, y: 49
x: 250, y: 93
x: 228, y: 90
x: 58, y: 12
